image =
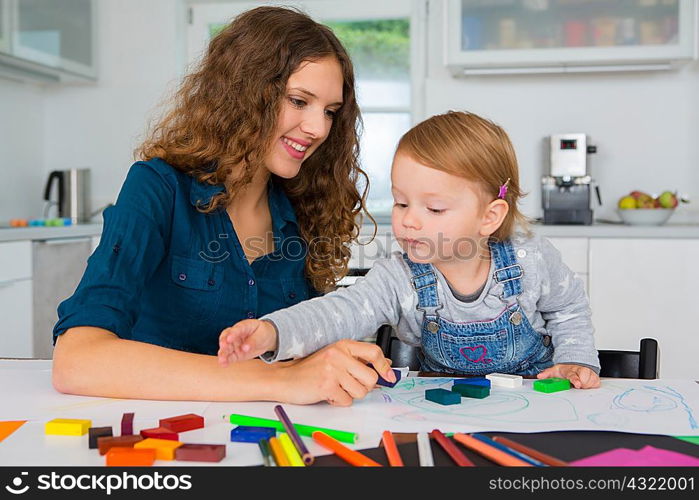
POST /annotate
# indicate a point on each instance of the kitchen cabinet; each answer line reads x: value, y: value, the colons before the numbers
x: 49, y: 41
x: 647, y: 288
x: 16, y: 299
x: 574, y: 253
x: 567, y: 35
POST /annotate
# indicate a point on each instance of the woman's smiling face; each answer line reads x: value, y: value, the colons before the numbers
x: 313, y: 97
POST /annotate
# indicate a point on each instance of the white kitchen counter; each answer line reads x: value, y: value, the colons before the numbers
x: 44, y: 233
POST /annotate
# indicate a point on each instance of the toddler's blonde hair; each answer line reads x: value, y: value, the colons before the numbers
x: 466, y: 145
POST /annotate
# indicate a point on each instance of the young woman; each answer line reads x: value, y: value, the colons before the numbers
x: 244, y: 202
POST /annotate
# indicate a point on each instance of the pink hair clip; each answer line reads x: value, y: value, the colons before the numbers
x: 503, y: 189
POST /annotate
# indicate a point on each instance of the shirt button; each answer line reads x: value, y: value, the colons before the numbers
x: 212, y: 282
x: 182, y: 277
x: 251, y: 282
x: 516, y: 318
x: 433, y: 326
x: 292, y: 295
x: 521, y: 253
x: 116, y: 248
x: 251, y: 314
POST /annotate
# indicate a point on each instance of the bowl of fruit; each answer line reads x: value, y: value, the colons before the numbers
x: 641, y: 209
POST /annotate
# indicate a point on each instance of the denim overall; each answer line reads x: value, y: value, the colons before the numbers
x: 506, y: 344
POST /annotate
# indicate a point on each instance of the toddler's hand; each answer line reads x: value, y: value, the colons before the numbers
x: 580, y: 376
x: 246, y: 339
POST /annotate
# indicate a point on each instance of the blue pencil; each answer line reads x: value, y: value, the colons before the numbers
x: 507, y: 449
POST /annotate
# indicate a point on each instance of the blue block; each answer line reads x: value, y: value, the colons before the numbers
x: 473, y: 381
x: 245, y: 434
x: 442, y: 396
x: 382, y: 381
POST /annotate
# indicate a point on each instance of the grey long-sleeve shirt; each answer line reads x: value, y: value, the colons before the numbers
x: 553, y: 299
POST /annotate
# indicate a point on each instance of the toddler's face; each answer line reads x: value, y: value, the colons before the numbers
x: 437, y: 217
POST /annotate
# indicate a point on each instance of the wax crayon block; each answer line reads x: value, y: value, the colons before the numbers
x: 127, y: 424
x: 471, y: 391
x: 504, y: 380
x: 549, y: 385
x: 245, y: 434
x: 97, y: 432
x: 67, y: 426
x: 104, y: 444
x: 201, y: 452
x: 159, y: 433
x: 183, y: 423
x: 382, y: 381
x: 442, y: 396
x: 129, y: 457
x: 164, y: 448
x: 482, y: 381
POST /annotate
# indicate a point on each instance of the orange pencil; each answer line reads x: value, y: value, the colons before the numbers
x: 536, y: 455
x: 492, y: 454
x: 350, y: 456
x: 278, y: 453
x: 389, y: 445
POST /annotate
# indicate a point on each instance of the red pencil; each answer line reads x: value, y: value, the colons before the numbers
x: 451, y: 449
x: 536, y: 455
x: 389, y: 444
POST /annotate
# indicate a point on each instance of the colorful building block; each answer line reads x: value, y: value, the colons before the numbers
x: 201, y: 452
x: 482, y: 381
x: 505, y: 380
x: 127, y: 424
x: 97, y: 432
x: 471, y: 391
x: 385, y: 383
x: 129, y: 457
x: 159, y: 433
x: 183, y: 423
x: 164, y: 448
x: 442, y: 396
x: 104, y: 444
x: 246, y: 434
x: 67, y: 426
x: 549, y: 385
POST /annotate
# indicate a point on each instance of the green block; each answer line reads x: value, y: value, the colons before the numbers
x: 471, y: 391
x: 549, y: 385
x: 442, y: 397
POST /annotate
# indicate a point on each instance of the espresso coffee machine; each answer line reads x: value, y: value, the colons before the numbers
x: 73, y: 193
x: 566, y: 191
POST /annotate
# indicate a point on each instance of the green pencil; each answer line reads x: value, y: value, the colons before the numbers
x: 304, y: 430
x: 266, y: 454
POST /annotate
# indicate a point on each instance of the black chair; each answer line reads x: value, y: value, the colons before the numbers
x: 642, y: 364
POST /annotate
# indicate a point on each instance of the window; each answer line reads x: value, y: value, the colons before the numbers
x: 382, y: 39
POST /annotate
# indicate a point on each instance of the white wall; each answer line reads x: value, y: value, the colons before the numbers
x: 645, y: 124
x: 21, y: 150
x: 98, y: 126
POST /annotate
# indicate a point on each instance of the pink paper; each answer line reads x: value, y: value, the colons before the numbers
x: 648, y: 456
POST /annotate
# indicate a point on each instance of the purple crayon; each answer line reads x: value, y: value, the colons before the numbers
x: 295, y: 438
x: 385, y: 383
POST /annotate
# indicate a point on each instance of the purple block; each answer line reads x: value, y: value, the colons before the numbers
x: 127, y: 424
x: 246, y: 434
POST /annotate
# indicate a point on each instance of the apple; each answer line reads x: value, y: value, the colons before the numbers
x: 667, y: 199
x: 627, y: 202
x: 644, y: 201
x: 638, y: 194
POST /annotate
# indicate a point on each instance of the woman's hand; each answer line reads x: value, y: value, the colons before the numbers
x: 580, y: 376
x: 337, y: 374
x: 246, y: 339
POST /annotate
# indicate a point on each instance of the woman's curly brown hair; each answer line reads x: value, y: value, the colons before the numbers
x: 225, y: 115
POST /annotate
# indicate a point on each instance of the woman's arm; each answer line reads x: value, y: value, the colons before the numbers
x: 95, y: 362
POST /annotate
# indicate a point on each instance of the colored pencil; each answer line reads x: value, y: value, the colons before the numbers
x: 305, y: 455
x: 509, y: 450
x: 537, y: 455
x: 278, y: 452
x: 451, y: 449
x: 389, y: 444
x: 290, y: 450
x: 264, y: 449
x: 348, y: 455
x: 304, y: 430
x: 424, y: 450
x: 492, y: 454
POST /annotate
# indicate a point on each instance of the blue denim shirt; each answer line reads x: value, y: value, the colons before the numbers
x: 167, y: 274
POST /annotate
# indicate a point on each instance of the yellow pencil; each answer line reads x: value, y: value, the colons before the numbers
x: 290, y: 450
x: 278, y: 453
